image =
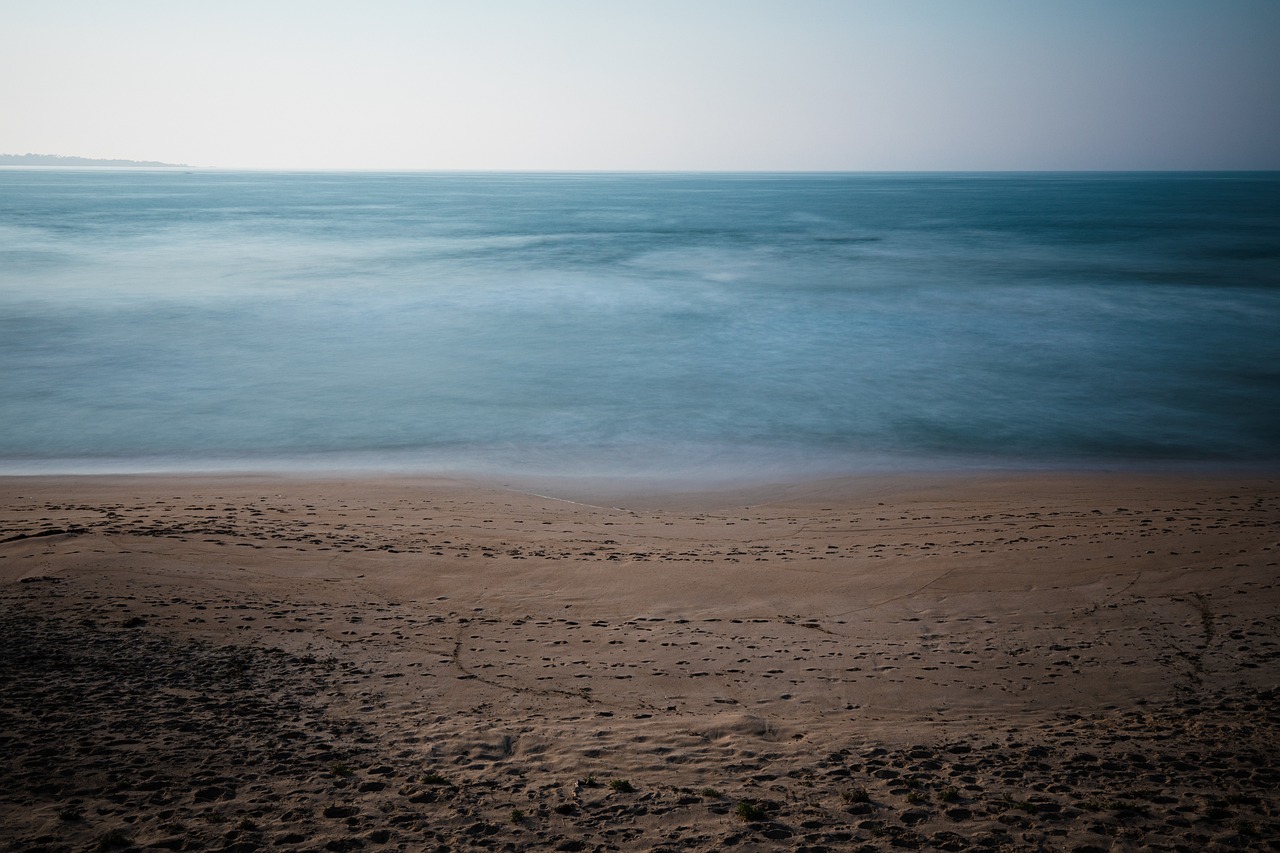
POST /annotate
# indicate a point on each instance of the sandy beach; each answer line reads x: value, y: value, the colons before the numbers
x: 962, y: 662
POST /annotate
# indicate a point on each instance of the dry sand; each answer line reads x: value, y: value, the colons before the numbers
x: 959, y: 663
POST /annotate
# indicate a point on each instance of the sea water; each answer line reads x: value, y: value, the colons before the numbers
x: 663, y: 325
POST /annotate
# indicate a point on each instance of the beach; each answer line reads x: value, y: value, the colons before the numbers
x: 961, y: 661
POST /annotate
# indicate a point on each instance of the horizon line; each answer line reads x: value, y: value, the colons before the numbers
x: 523, y: 171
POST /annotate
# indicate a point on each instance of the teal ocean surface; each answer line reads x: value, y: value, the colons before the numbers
x: 674, y: 326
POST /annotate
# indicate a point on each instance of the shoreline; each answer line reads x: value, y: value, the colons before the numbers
x: 962, y: 661
x: 765, y: 481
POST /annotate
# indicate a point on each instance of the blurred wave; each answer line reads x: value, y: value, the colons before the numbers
x: 635, y: 324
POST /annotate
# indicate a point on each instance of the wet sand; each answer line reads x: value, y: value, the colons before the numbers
x: 961, y: 662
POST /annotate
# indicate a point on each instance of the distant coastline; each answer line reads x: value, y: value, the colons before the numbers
x: 61, y: 160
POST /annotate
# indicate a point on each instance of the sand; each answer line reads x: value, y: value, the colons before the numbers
x: 959, y: 662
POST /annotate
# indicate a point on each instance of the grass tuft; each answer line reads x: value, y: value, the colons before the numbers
x: 856, y: 795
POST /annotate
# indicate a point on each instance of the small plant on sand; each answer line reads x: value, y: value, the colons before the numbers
x: 589, y: 781
x: 70, y: 813
x: 856, y: 795
x: 338, y: 768
x: 917, y: 797
x: 1021, y: 805
x: 622, y: 786
x: 749, y: 811
x: 517, y: 815
x: 436, y: 779
x: 949, y: 794
x: 711, y: 794
x: 247, y: 825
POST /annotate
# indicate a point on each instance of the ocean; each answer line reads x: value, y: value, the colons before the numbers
x: 708, y: 327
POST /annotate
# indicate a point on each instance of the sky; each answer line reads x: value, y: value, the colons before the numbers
x: 750, y: 85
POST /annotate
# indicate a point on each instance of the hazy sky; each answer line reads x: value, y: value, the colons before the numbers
x: 651, y: 84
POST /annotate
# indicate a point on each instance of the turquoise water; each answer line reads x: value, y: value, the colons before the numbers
x: 691, y: 325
